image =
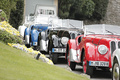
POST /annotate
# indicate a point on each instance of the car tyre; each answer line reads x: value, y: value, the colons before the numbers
x: 86, y: 68
x: 115, y: 70
x: 54, y: 58
x: 27, y: 45
x: 72, y: 65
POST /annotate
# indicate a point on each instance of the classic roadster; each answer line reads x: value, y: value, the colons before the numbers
x: 94, y: 49
x: 32, y: 35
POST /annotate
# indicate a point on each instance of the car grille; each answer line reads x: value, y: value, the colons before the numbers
x: 113, y: 46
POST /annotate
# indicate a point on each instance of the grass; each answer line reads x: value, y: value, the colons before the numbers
x: 18, y: 65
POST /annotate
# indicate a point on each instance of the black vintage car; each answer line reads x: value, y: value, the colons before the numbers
x: 58, y: 39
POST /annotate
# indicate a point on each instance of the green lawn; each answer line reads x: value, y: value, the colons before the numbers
x: 18, y: 65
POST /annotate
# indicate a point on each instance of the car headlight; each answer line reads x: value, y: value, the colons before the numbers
x: 102, y: 49
x: 64, y: 40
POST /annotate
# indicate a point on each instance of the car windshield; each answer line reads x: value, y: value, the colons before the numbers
x: 102, y: 29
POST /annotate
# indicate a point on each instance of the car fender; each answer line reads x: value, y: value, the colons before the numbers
x: 34, y: 35
x: 27, y: 36
x: 27, y: 31
x: 72, y: 53
x: 116, y: 55
x: 21, y: 29
x: 43, y: 41
x: 90, y: 51
x: 72, y: 44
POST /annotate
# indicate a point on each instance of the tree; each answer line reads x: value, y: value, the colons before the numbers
x: 64, y: 8
x: 7, y: 5
x: 16, y: 16
x: 100, y: 9
x: 82, y: 9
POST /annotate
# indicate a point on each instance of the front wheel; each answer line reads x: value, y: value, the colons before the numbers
x: 53, y: 57
x: 86, y: 68
x: 27, y: 45
x: 72, y: 65
x: 36, y: 48
x: 115, y: 70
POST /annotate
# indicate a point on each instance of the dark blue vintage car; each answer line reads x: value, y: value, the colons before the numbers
x: 32, y: 35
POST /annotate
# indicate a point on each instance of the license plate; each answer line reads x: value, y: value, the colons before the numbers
x: 99, y: 63
x: 59, y: 50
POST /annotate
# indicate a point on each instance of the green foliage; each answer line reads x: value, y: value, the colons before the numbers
x: 7, y: 5
x: 82, y: 9
x: 9, y: 38
x: 3, y: 16
x: 16, y: 16
x: 64, y: 8
x: 100, y: 9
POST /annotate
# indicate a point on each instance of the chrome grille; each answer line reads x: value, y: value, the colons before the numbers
x: 113, y: 47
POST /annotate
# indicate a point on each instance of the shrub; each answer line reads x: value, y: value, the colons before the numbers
x: 3, y: 16
x: 9, y: 38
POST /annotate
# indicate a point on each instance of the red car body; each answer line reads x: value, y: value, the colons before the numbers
x: 93, y: 51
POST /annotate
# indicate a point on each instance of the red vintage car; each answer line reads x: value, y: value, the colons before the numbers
x: 94, y: 49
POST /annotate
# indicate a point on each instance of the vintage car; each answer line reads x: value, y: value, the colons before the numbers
x: 53, y: 41
x: 58, y: 39
x: 37, y: 23
x: 32, y: 35
x: 116, y: 64
x: 41, y: 15
x: 94, y: 49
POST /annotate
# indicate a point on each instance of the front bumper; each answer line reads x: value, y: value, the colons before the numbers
x: 99, y: 63
x: 59, y: 50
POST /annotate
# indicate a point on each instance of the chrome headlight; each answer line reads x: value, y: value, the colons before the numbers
x: 102, y: 49
x: 64, y: 40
